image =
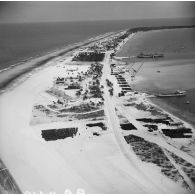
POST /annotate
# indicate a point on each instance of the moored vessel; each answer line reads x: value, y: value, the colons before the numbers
x: 175, y: 94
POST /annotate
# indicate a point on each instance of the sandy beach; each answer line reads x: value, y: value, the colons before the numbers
x: 13, y: 73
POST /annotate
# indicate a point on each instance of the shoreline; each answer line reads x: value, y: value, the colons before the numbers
x: 151, y: 28
x: 8, y: 75
x: 178, y: 108
x: 171, y: 59
x: 168, y: 55
x: 170, y: 113
x: 11, y: 78
x: 27, y: 65
x: 174, y: 111
x: 38, y: 165
x: 44, y: 53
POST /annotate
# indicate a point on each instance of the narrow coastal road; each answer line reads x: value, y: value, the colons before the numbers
x: 7, y: 183
x: 161, y: 143
x: 181, y: 172
x: 98, y: 164
x: 113, y: 121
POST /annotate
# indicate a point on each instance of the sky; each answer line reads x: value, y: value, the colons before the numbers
x: 89, y: 11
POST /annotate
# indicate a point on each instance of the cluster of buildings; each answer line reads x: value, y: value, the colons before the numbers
x: 106, y: 44
x: 69, y: 82
x: 121, y: 81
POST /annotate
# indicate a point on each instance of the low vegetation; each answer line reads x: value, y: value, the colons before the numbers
x: 178, y: 133
x: 187, y: 167
x: 86, y: 107
x: 55, y: 134
x: 99, y: 124
x: 89, y: 57
x: 99, y: 113
x: 128, y: 126
x: 151, y: 153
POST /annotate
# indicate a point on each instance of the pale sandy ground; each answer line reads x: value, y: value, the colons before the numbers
x: 102, y: 165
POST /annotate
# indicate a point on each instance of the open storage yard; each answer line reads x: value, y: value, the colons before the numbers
x: 85, y: 126
x: 78, y: 96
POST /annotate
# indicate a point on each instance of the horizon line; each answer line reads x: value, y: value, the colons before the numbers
x: 106, y: 20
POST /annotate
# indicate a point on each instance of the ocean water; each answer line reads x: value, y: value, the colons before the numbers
x: 22, y: 41
x: 175, y: 71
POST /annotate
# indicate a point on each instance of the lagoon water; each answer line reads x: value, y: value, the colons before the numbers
x: 174, y: 75
x: 169, y: 42
x: 175, y: 71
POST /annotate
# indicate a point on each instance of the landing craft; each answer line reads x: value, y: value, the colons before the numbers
x: 180, y: 92
x: 156, y: 55
x: 177, y: 93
